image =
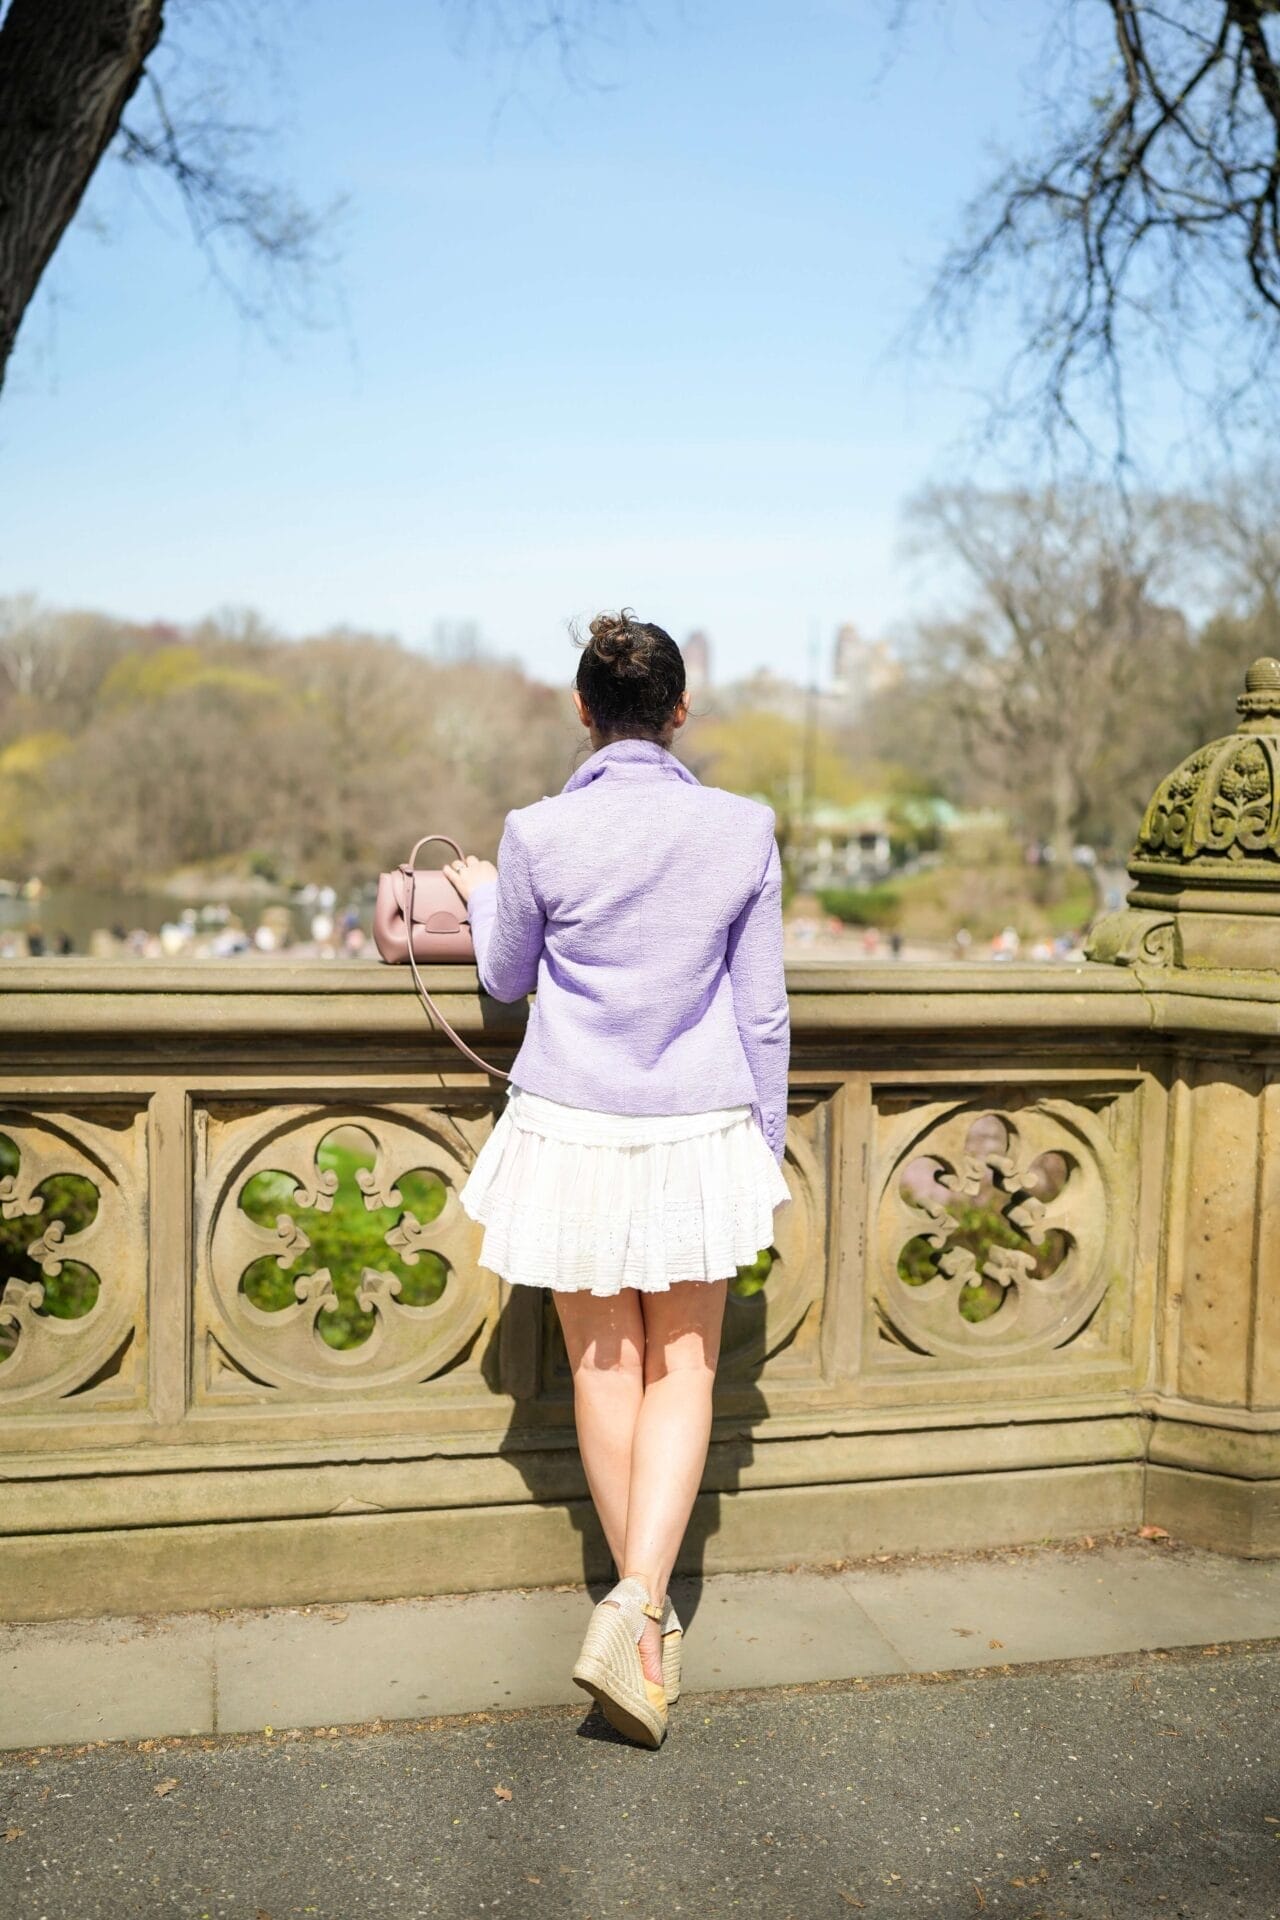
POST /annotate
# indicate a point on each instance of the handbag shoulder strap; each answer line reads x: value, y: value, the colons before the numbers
x: 433, y: 1011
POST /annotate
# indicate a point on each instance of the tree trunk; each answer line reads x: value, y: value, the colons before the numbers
x: 1063, y: 807
x: 67, y: 67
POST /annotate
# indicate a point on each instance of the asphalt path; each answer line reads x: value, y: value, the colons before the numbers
x: 1139, y: 1785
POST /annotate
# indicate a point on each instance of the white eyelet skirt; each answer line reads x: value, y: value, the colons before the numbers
x: 579, y: 1200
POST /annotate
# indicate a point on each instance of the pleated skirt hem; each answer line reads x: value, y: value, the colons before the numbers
x: 602, y: 1215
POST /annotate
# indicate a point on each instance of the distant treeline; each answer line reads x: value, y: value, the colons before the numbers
x: 1093, y: 643
x: 128, y: 751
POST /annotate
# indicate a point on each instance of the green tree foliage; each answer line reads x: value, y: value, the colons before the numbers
x: 861, y: 906
x: 344, y: 1240
x: 69, y: 1199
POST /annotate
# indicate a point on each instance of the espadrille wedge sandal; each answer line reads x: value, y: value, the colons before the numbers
x: 609, y: 1666
x: 672, y: 1647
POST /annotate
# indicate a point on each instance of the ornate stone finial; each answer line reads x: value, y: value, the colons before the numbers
x: 1206, y: 867
x: 1260, y: 700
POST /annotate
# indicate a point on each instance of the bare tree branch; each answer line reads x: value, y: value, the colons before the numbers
x: 228, y: 202
x: 68, y: 68
x: 1148, y: 221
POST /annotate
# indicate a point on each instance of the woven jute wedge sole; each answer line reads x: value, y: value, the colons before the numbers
x: 672, y: 1647
x: 609, y: 1669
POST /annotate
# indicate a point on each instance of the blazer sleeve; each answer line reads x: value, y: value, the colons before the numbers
x: 754, y: 959
x: 508, y: 924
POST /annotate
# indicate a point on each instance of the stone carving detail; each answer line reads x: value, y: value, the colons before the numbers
x: 992, y: 1230
x: 1127, y: 936
x: 1222, y: 805
x: 336, y: 1254
x: 1206, y: 864
x: 72, y: 1263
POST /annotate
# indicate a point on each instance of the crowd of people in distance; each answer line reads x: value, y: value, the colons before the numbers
x: 313, y: 926
x: 315, y: 929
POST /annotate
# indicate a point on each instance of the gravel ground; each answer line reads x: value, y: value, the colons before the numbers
x: 1103, y: 1790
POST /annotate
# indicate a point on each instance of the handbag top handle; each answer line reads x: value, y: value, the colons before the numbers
x: 499, y: 1072
x: 411, y: 862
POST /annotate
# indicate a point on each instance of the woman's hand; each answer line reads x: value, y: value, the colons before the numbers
x: 469, y: 872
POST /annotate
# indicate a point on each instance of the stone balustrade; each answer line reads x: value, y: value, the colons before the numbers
x: 1027, y: 1285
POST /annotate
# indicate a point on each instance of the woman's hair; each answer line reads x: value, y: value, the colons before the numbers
x: 630, y: 675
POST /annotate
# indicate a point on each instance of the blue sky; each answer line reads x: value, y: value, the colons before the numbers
x: 627, y: 338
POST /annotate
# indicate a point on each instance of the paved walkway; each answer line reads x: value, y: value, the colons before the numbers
x: 1126, y: 1788
x: 1080, y: 1733
x: 303, y: 1667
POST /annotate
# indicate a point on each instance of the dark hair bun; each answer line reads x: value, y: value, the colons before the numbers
x: 615, y: 636
x: 630, y: 675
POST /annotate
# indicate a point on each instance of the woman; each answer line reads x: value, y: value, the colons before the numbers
x: 638, y: 1160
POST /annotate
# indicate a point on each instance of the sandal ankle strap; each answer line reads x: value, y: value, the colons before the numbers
x: 631, y: 1598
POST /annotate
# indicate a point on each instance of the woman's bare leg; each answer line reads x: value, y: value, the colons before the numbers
x: 672, y: 1433
x: 605, y: 1339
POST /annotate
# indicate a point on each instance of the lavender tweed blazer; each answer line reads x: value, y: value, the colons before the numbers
x: 643, y: 910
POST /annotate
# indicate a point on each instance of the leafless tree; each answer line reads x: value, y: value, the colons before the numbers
x: 1238, y: 521
x: 1058, y: 667
x: 1233, y: 530
x: 79, y: 78
x: 34, y: 655
x: 1146, y: 221
x: 160, y: 84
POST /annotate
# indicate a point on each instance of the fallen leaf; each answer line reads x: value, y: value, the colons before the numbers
x: 852, y: 1900
x: 995, y: 1643
x: 966, y: 1633
x: 13, y: 1833
x: 503, y: 1793
x: 164, y: 1787
x: 1153, y: 1533
x: 1089, y: 1541
x: 980, y: 1897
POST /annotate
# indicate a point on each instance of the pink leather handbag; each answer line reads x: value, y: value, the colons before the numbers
x: 426, y: 900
